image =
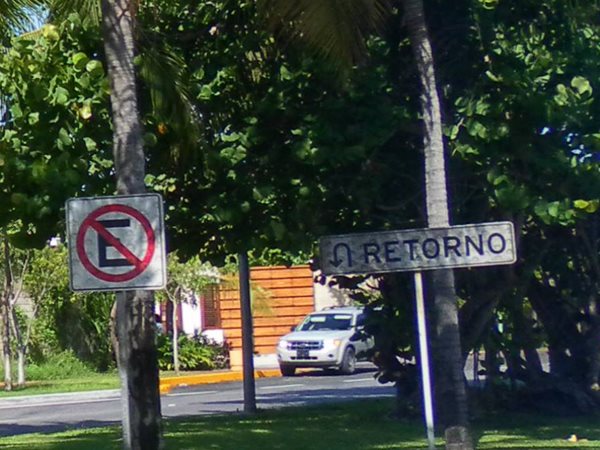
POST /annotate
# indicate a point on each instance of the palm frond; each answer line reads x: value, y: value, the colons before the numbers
x: 338, y: 29
x: 88, y: 9
x: 17, y: 16
x: 164, y: 74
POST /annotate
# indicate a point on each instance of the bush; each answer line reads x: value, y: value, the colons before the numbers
x: 195, y: 353
x: 58, y: 366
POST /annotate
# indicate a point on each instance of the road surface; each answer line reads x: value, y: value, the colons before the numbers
x: 53, y: 413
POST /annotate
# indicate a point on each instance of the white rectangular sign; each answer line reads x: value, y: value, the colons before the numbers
x: 482, y: 244
x: 116, y: 243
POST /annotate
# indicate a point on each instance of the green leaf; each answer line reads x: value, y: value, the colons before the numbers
x: 284, y: 73
x: 33, y: 118
x: 150, y: 139
x: 16, y: 112
x: 18, y: 199
x: 80, y: 60
x: 64, y: 137
x: 581, y: 85
x: 231, y: 137
x: 233, y: 154
x: 90, y: 144
x: 562, y: 97
x: 493, y: 77
x: 205, y: 92
x: 589, y: 206
x: 489, y: 4
x: 199, y: 74
x: 553, y: 209
x: 94, y: 68
x: 593, y: 206
x: 61, y: 96
x: 85, y: 112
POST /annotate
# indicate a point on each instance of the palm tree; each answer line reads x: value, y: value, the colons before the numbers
x: 337, y: 29
x: 16, y: 16
x: 449, y: 379
x: 137, y: 354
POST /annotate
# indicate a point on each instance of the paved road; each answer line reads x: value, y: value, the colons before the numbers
x: 60, y: 412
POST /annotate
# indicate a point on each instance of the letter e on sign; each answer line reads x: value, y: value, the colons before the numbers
x: 116, y: 243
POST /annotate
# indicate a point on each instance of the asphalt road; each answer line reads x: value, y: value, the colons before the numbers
x: 53, y: 413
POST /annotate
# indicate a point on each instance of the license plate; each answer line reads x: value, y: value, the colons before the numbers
x: 302, y: 353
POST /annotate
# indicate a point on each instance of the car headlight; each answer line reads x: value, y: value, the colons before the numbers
x: 283, y: 344
x: 335, y: 343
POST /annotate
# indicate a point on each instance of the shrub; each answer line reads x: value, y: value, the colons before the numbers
x: 195, y: 353
x: 58, y: 366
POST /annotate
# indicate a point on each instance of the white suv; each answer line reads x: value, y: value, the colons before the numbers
x: 331, y: 338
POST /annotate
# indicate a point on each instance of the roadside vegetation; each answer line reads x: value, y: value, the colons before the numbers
x: 255, y: 145
x: 60, y: 373
x: 65, y: 335
x: 348, y: 426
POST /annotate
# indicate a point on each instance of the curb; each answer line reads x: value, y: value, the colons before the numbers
x: 167, y: 384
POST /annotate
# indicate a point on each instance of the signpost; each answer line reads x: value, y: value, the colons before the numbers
x: 116, y: 243
x: 483, y: 244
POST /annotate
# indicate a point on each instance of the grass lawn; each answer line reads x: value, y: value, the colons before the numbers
x: 88, y: 382
x: 348, y: 426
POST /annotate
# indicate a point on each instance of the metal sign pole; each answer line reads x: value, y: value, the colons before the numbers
x: 424, y: 355
x: 247, y: 335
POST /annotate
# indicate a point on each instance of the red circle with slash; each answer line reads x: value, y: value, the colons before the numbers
x: 139, y: 264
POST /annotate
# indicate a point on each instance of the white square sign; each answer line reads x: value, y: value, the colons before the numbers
x: 116, y: 243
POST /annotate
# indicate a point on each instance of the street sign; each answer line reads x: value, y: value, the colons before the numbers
x: 482, y: 244
x: 116, y: 243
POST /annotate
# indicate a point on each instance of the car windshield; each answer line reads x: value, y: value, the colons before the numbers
x: 326, y: 322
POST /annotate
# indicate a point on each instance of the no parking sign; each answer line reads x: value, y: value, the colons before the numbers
x: 116, y: 243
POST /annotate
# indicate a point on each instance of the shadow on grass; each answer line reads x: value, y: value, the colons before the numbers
x: 358, y: 425
x: 107, y: 438
x: 14, y: 429
x: 530, y: 431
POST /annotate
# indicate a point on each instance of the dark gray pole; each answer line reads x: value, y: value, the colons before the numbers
x: 247, y: 335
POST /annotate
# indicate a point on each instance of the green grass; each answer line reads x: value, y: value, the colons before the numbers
x: 348, y: 426
x: 88, y: 382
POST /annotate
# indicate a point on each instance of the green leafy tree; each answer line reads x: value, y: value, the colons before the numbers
x: 185, y: 280
x: 321, y: 25
x: 53, y: 135
x: 46, y: 282
x: 526, y: 126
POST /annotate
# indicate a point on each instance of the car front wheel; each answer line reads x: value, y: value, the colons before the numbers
x: 287, y: 371
x: 348, y: 365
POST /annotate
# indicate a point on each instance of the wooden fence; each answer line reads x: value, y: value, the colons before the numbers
x: 282, y: 296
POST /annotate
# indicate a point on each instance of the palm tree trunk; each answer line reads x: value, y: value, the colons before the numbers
x: 449, y: 384
x: 137, y: 354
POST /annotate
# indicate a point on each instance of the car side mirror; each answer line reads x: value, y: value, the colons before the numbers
x: 293, y: 328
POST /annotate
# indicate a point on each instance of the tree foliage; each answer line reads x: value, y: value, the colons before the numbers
x: 66, y: 321
x: 284, y: 153
x: 54, y: 134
